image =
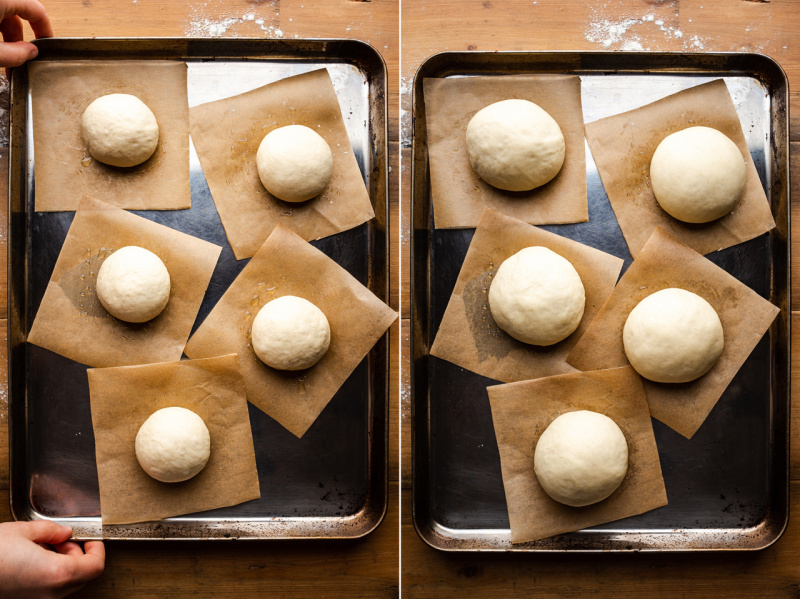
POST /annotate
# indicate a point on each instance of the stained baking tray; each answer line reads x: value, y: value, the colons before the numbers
x: 727, y: 486
x: 332, y: 483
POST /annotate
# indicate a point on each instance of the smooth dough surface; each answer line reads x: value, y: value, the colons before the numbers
x: 290, y: 333
x: 173, y: 445
x: 120, y: 130
x: 537, y: 296
x: 133, y: 284
x: 673, y: 336
x: 294, y: 163
x: 515, y: 145
x: 698, y: 174
x: 581, y: 458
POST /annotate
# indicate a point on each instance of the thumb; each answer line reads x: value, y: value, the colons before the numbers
x: 13, y: 54
x: 45, y: 531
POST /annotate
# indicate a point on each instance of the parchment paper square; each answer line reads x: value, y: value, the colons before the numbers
x: 665, y: 262
x: 71, y: 320
x: 64, y: 170
x: 468, y: 335
x: 226, y: 135
x: 623, y: 146
x: 123, y: 398
x: 458, y: 194
x: 288, y: 265
x: 522, y: 411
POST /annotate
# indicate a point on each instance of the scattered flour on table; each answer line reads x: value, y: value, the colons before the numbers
x: 632, y: 32
x: 405, y: 401
x: 405, y: 383
x: 201, y: 24
x: 5, y: 100
x: 405, y: 221
x: 406, y: 84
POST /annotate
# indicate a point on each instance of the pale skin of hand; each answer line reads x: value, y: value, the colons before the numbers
x: 38, y: 561
x: 14, y: 50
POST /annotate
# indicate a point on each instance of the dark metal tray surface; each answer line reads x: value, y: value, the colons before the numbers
x: 727, y: 486
x: 332, y: 483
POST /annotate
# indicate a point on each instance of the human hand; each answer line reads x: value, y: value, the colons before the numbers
x: 38, y: 561
x: 14, y: 51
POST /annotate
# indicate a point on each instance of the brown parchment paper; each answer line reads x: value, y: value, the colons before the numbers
x: 65, y: 171
x: 623, y: 145
x: 521, y: 413
x: 71, y: 320
x: 287, y: 265
x: 665, y: 262
x: 468, y: 335
x: 123, y: 398
x: 226, y: 135
x: 458, y: 194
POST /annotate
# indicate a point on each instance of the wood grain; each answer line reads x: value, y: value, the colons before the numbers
x: 375, y: 22
x: 770, y: 573
x: 794, y: 445
x: 369, y: 567
x: 250, y: 569
x: 794, y: 161
x: 708, y: 26
x: 366, y: 567
x: 431, y: 26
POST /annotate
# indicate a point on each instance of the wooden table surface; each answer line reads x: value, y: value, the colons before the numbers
x: 764, y: 26
x: 362, y: 568
x: 369, y: 567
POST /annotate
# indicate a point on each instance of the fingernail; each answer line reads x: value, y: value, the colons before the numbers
x: 34, y: 53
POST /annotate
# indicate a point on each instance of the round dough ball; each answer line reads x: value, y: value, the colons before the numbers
x: 698, y: 174
x: 294, y: 163
x: 290, y: 333
x: 581, y: 458
x: 120, y: 130
x: 173, y: 445
x: 133, y: 284
x: 537, y: 296
x: 515, y: 145
x: 673, y: 336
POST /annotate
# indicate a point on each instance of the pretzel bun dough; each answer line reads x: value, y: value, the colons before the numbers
x: 294, y: 163
x: 120, y: 130
x: 698, y: 174
x: 581, y: 458
x: 537, y: 296
x: 173, y: 445
x: 673, y: 336
x: 133, y: 284
x: 515, y: 145
x: 290, y: 333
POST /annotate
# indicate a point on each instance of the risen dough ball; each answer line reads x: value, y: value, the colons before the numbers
x: 119, y: 130
x: 537, y: 296
x: 290, y: 333
x: 697, y: 174
x: 581, y: 458
x: 673, y: 336
x: 515, y: 145
x: 294, y: 163
x: 133, y: 284
x: 173, y: 445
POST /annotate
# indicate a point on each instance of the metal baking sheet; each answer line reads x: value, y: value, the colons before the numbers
x: 332, y: 483
x: 727, y: 486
